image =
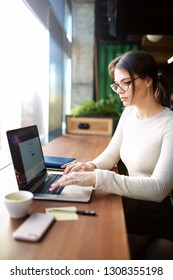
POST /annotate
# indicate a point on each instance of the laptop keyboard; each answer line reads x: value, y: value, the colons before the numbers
x: 45, y: 186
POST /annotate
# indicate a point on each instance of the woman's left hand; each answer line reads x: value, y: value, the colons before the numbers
x: 75, y: 178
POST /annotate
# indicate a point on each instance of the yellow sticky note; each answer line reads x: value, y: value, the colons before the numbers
x: 63, y: 213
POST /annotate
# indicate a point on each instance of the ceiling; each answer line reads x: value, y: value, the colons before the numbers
x: 161, y: 50
x: 128, y: 21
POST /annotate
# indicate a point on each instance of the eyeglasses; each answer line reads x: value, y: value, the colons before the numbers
x: 123, y: 86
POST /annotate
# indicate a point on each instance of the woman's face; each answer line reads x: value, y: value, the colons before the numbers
x: 125, y: 88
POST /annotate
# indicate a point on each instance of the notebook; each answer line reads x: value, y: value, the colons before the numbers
x: 55, y: 163
x: 30, y: 169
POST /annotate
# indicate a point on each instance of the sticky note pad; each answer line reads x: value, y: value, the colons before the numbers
x: 63, y: 215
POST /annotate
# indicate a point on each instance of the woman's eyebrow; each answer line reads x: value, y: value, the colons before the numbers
x: 122, y: 80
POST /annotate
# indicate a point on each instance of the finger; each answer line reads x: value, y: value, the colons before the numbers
x: 72, y: 167
x: 60, y: 182
x: 64, y: 165
x: 88, y: 167
x: 55, y: 185
x: 66, y: 182
x: 67, y: 169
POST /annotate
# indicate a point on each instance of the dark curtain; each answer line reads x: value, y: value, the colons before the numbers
x: 106, y: 53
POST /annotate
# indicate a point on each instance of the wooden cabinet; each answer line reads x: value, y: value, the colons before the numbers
x: 90, y: 125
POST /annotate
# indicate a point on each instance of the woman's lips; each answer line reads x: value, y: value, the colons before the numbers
x: 124, y: 98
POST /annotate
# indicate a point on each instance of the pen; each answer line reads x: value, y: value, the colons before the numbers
x: 80, y: 212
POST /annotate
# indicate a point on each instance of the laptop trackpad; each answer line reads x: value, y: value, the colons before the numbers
x: 74, y: 191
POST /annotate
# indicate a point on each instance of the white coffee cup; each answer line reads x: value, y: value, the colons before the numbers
x: 18, y: 203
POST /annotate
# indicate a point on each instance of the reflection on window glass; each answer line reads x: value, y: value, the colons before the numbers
x: 68, y: 23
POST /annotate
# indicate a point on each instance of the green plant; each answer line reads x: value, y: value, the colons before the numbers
x: 103, y: 107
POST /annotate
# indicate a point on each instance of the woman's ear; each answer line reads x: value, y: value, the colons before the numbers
x: 149, y: 81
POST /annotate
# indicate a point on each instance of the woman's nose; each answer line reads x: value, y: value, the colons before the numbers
x: 120, y: 90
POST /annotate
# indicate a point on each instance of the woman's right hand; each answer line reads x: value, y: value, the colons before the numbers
x: 78, y: 166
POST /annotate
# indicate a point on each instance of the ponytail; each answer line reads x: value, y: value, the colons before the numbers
x: 162, y: 93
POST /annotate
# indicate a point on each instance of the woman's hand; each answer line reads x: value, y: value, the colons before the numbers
x: 75, y: 178
x: 78, y: 166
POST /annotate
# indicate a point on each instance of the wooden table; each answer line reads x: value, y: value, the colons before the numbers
x: 88, y: 238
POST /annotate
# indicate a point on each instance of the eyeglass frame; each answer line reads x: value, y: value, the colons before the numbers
x: 127, y: 85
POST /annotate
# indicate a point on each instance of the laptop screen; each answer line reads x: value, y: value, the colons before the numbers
x: 27, y: 155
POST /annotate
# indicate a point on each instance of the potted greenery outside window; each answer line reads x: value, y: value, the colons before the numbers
x: 94, y: 117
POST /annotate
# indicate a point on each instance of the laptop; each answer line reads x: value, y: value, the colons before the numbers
x: 30, y: 169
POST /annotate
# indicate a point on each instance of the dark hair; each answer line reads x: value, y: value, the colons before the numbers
x: 142, y: 64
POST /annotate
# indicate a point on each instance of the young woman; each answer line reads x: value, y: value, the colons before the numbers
x: 143, y: 140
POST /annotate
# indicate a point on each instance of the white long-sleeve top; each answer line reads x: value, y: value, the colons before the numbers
x: 146, y: 148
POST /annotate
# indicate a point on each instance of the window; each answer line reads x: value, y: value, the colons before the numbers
x: 35, y: 67
x: 24, y: 70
